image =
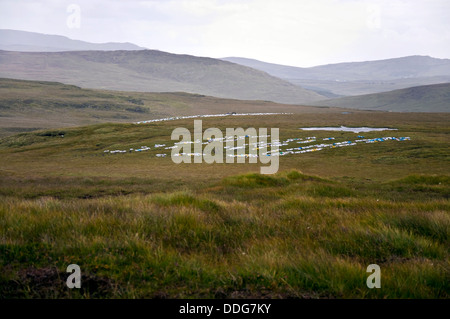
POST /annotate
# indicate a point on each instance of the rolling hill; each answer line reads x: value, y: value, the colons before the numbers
x: 357, y: 78
x: 32, y: 105
x: 334, y: 89
x: 14, y: 40
x: 427, y: 98
x: 152, y: 71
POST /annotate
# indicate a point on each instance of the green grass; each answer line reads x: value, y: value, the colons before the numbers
x: 200, y: 245
x: 144, y: 227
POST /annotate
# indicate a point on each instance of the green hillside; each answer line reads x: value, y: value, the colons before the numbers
x: 31, y: 105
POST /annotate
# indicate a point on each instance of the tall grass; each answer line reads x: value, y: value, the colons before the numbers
x: 211, y: 243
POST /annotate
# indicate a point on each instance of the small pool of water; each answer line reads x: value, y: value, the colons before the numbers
x: 348, y: 129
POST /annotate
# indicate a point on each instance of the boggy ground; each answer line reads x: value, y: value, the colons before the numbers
x: 143, y: 227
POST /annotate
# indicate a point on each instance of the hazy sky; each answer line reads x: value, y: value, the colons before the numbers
x: 292, y: 32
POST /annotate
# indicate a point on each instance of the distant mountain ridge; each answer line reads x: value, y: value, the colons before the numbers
x: 24, y: 41
x: 401, y: 84
x: 355, y: 78
x: 389, y: 69
x: 152, y: 71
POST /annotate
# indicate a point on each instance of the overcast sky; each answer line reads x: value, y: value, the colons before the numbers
x: 292, y: 32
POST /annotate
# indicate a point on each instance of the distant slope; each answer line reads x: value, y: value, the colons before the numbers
x: 13, y: 40
x: 152, y: 71
x: 334, y: 89
x: 390, y: 69
x: 31, y: 105
x: 427, y: 98
x: 356, y: 78
x: 278, y: 70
